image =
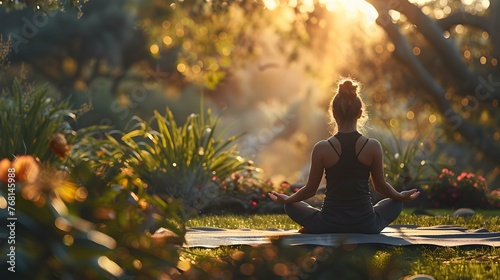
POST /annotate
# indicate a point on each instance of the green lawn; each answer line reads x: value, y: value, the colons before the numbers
x: 345, y: 262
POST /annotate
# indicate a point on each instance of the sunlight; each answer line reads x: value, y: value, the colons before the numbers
x: 352, y: 8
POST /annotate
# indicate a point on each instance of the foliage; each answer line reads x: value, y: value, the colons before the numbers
x: 405, y: 161
x: 29, y: 119
x: 45, y: 5
x: 463, y: 190
x: 210, y: 39
x: 63, y: 231
x: 494, y: 198
x: 391, y: 83
x: 243, y: 193
x: 96, y: 41
x: 182, y: 162
x: 4, y: 52
x: 38, y: 125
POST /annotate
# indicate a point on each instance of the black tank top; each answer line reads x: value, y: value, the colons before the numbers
x: 348, y: 167
x: 348, y: 198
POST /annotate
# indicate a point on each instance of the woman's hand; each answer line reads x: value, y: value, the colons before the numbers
x: 278, y: 197
x: 409, y: 195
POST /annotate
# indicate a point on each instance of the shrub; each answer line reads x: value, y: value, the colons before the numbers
x: 53, y: 239
x: 179, y: 160
x: 454, y: 191
x: 494, y: 199
x: 243, y: 193
x: 404, y: 161
x: 29, y: 120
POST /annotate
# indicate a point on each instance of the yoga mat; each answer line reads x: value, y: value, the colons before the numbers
x: 398, y: 235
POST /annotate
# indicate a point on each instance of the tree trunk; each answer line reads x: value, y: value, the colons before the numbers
x: 473, y: 133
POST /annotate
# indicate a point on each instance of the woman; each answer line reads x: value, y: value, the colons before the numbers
x: 349, y: 160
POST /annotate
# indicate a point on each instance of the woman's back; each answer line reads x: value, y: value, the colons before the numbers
x: 349, y: 160
x: 348, y: 199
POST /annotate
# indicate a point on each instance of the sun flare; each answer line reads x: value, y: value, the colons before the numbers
x: 352, y: 8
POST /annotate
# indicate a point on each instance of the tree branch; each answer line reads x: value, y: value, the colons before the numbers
x: 468, y: 81
x: 434, y: 35
x: 471, y: 132
x: 462, y: 17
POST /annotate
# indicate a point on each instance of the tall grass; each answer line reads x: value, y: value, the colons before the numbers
x: 405, y: 161
x: 183, y: 161
x: 28, y: 119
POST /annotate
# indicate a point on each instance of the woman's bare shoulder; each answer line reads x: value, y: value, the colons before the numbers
x: 373, y: 141
x: 373, y: 144
x: 321, y: 144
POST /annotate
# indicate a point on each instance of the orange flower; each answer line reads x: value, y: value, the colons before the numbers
x: 4, y: 167
x: 59, y: 145
x: 26, y: 168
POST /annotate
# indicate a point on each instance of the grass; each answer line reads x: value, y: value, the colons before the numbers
x: 346, y: 262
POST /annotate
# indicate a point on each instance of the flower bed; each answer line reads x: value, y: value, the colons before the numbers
x: 463, y: 190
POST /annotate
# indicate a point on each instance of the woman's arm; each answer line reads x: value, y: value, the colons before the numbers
x: 315, y: 174
x: 377, y: 176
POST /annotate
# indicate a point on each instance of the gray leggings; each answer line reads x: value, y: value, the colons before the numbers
x: 386, y: 211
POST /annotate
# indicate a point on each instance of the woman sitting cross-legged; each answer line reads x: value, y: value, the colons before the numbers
x: 348, y: 160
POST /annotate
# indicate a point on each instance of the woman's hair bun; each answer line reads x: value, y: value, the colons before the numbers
x: 348, y: 89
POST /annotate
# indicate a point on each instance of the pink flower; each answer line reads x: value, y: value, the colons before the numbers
x: 284, y: 184
x: 446, y: 171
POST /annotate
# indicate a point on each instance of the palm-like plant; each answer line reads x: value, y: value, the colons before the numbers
x: 184, y: 161
x: 404, y: 160
x: 28, y: 119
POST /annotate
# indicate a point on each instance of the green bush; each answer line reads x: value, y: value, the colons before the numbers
x: 403, y: 160
x: 242, y: 193
x: 183, y: 162
x: 78, y: 226
x: 494, y: 199
x: 29, y: 119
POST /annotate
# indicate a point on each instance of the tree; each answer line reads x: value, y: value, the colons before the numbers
x: 45, y: 5
x: 478, y: 85
x: 71, y: 52
x: 204, y: 41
